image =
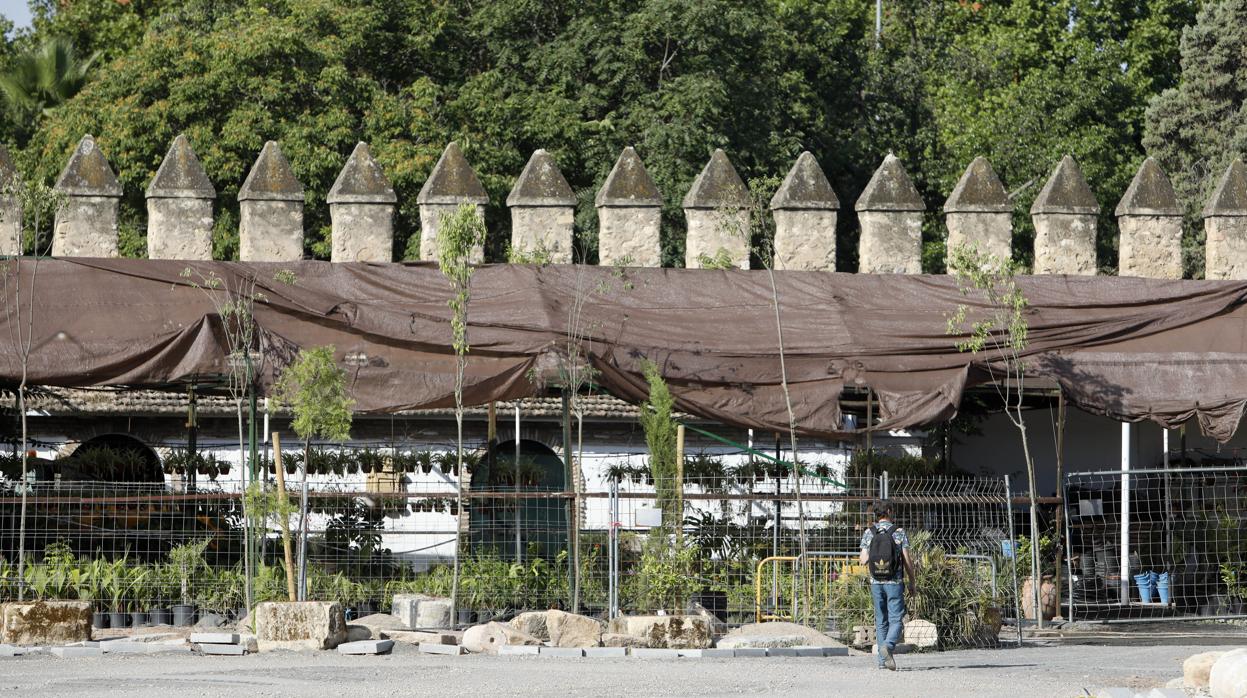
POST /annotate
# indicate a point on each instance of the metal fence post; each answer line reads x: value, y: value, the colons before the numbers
x: 1013, y: 559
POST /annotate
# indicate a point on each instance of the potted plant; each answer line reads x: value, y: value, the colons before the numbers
x: 1047, y: 588
x: 116, y: 585
x: 160, y: 580
x: 139, y: 591
x: 187, y: 559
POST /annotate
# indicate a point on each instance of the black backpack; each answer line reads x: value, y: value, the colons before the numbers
x: 884, y: 556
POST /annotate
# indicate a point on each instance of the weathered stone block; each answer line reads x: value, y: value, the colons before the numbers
x: 179, y: 229
x: 417, y: 611
x: 319, y: 624
x: 674, y: 632
x: 1228, y: 677
x: 86, y: 226
x: 921, y: 633
x: 712, y: 233
x: 571, y: 630
x: 891, y: 242
x: 620, y: 640
x: 532, y: 623
x: 990, y: 233
x: 10, y: 207
x: 1226, y: 251
x: 362, y: 232
x: 270, y: 231
x: 805, y: 239
x: 415, y: 637
x: 1150, y: 246
x: 1065, y: 243
x: 431, y: 216
x: 546, y: 229
x: 488, y: 637
x: 1196, y: 668
x: 45, y: 622
x: 630, y: 236
x: 435, y: 648
x: 775, y: 634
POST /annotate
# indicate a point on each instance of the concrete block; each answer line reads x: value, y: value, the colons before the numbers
x: 45, y: 622
x: 655, y: 653
x: 125, y: 647
x: 11, y: 651
x: 835, y: 651
x: 1114, y: 692
x: 784, y: 652
x: 606, y: 651
x: 1167, y: 693
x: 366, y: 647
x: 692, y: 653
x: 417, y: 611
x: 750, y: 652
x: 214, y: 638
x: 223, y: 650
x: 562, y: 651
x: 318, y: 623
x: 415, y: 637
x: 434, y: 648
x: 718, y: 653
x: 75, y: 652
x: 519, y: 650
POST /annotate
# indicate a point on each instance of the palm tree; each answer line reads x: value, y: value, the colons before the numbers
x: 45, y: 77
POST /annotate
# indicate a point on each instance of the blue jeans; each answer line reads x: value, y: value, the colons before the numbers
x: 889, y: 603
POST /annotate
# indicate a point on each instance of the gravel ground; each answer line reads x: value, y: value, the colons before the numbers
x: 1060, y: 672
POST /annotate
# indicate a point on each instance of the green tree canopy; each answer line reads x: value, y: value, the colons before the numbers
x: 1196, y: 128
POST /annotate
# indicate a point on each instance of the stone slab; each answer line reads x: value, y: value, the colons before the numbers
x: 223, y: 650
x: 366, y: 647
x: 1114, y: 692
x: 750, y: 652
x: 785, y: 652
x: 214, y: 638
x: 694, y: 653
x: 562, y: 651
x: 125, y: 647
x: 1166, y: 693
x: 835, y: 651
x: 436, y: 648
x: 655, y: 653
x: 76, y: 652
x: 718, y: 653
x: 416, y: 637
x: 606, y: 652
x: 519, y: 650
x: 11, y: 651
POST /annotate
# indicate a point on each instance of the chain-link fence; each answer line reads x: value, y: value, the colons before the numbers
x: 736, y: 541
x: 1156, y: 544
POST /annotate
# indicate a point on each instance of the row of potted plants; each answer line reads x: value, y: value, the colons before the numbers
x: 711, y: 472
x: 369, y: 460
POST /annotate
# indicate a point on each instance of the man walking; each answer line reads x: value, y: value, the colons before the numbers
x: 885, y: 552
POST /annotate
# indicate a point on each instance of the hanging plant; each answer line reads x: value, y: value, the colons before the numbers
x: 425, y: 460
x: 352, y: 462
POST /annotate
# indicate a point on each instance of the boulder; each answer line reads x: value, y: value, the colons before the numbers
x: 666, y: 632
x: 487, y: 638
x: 921, y: 634
x: 373, y: 627
x: 1196, y: 668
x: 571, y: 630
x: 621, y: 640
x: 532, y: 623
x: 299, y: 625
x: 421, y: 612
x: 775, y: 634
x: 45, y: 622
x: 1228, y: 678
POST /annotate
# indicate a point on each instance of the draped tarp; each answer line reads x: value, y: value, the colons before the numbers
x: 1129, y: 348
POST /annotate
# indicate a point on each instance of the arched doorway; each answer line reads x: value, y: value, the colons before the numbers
x: 113, y: 458
x: 538, y: 524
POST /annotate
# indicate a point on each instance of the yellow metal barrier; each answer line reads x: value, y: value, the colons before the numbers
x: 809, y: 581
x: 773, y: 562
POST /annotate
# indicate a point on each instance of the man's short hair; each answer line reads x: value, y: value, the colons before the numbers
x: 882, y: 508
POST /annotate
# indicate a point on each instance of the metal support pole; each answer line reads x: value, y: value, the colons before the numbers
x: 568, y: 506
x: 520, y: 504
x: 612, y: 549
x: 1125, y: 513
x: 1013, y: 547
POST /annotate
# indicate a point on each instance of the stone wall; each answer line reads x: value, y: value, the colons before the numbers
x: 720, y: 215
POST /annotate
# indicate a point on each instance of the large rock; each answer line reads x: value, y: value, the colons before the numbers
x: 1196, y: 668
x: 571, y: 630
x: 487, y: 638
x: 621, y: 640
x: 669, y: 632
x: 420, y: 612
x: 1228, y: 678
x: 533, y: 623
x: 921, y: 633
x: 45, y: 622
x: 299, y: 625
x: 777, y: 634
x: 375, y: 625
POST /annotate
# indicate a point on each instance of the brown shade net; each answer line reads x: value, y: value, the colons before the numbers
x: 1129, y: 348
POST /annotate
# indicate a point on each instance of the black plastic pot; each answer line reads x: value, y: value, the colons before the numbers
x: 367, y: 608
x: 118, y: 619
x: 465, y: 617
x: 713, y: 601
x: 99, y: 619
x: 160, y: 616
x: 138, y: 619
x: 183, y: 614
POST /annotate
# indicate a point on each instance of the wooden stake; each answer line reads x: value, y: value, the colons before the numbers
x: 285, y: 523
